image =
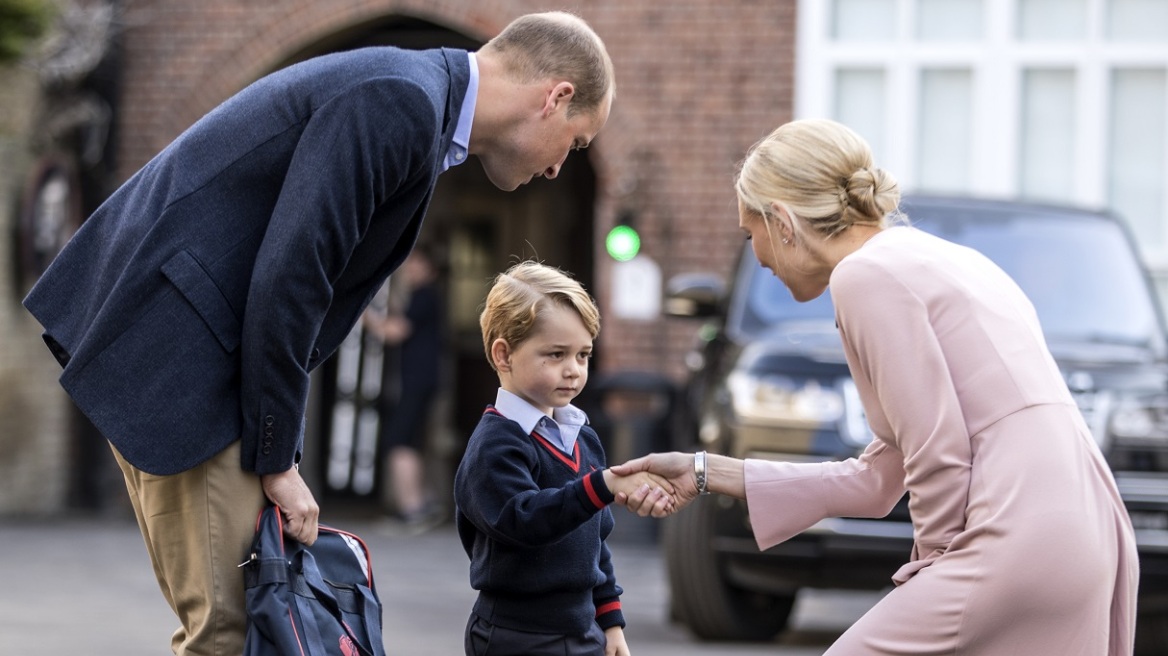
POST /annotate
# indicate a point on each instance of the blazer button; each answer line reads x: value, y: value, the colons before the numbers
x: 269, y: 420
x: 267, y: 450
x: 315, y: 355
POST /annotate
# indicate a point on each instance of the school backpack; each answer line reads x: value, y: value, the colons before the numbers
x: 310, y: 601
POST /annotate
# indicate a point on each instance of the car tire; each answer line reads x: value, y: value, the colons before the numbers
x: 700, y: 597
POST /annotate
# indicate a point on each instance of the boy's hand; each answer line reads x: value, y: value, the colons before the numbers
x: 658, y: 492
x: 678, y: 468
x: 616, y: 645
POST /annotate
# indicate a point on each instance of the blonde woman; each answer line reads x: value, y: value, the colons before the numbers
x: 1022, y: 544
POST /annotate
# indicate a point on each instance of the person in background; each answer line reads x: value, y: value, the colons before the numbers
x: 1022, y: 543
x: 417, y: 332
x: 532, y: 491
x: 190, y: 309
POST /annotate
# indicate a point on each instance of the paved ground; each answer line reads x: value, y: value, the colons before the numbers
x: 83, y: 586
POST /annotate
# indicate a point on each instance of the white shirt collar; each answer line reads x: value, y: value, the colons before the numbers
x: 458, y: 147
x: 528, y: 416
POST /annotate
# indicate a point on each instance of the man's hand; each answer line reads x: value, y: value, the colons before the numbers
x: 677, y: 468
x: 301, y: 513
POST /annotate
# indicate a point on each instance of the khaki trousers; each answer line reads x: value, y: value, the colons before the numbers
x: 198, y: 526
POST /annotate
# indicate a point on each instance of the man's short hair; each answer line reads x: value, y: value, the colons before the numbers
x: 562, y: 46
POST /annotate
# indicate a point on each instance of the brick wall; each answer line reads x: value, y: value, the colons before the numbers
x: 698, y: 81
x: 34, y: 412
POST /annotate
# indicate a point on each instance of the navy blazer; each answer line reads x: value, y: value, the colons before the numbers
x: 190, y: 308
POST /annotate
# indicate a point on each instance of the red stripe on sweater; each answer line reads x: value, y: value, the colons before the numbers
x: 595, y: 498
x: 574, y: 463
x: 608, y: 608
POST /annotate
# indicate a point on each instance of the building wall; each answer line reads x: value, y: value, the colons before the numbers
x: 697, y: 83
x: 1063, y: 102
x: 34, y: 412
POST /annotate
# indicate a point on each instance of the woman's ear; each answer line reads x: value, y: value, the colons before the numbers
x: 784, y: 222
x: 501, y: 355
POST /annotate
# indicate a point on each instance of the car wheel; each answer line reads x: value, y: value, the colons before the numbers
x: 700, y: 597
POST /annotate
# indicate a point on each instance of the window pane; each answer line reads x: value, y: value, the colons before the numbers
x: 864, y: 20
x: 859, y: 104
x: 949, y: 20
x: 1139, y: 102
x: 946, y: 122
x: 1052, y: 20
x: 1048, y: 134
x: 1137, y: 20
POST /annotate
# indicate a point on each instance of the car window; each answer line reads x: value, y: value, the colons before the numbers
x: 1077, y: 269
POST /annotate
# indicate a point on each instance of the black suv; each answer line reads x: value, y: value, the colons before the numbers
x: 769, y: 380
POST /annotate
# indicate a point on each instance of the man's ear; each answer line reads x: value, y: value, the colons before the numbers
x: 501, y: 354
x: 558, y: 97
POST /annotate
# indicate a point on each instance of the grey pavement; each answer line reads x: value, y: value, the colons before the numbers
x: 84, y: 586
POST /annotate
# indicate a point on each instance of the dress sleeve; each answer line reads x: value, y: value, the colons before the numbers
x: 900, y: 367
x: 786, y: 498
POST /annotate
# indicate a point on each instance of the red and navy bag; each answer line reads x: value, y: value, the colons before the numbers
x: 310, y: 601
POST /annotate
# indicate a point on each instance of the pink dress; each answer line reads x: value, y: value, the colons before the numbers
x: 1022, y: 543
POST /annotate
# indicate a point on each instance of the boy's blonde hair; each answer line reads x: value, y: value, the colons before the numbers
x: 523, y: 294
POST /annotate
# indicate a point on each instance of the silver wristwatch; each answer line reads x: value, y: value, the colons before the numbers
x: 700, y: 471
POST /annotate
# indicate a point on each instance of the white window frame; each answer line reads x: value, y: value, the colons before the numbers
x: 997, y: 64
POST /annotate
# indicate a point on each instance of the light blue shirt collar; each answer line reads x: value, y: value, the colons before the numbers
x: 561, y: 429
x: 458, y: 148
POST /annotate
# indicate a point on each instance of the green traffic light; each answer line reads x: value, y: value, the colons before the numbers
x: 623, y: 243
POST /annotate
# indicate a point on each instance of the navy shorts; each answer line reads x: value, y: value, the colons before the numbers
x: 486, y: 639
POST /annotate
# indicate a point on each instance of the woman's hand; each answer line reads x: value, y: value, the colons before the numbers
x: 677, y: 468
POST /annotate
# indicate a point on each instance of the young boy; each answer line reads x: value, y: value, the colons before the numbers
x: 532, y: 492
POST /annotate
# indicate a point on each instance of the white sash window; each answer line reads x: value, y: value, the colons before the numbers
x: 1055, y: 100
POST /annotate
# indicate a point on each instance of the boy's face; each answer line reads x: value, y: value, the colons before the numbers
x: 550, y: 368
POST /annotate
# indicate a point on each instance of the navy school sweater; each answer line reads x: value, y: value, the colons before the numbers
x: 533, y: 522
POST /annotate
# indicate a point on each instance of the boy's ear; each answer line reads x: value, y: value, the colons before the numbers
x: 501, y: 354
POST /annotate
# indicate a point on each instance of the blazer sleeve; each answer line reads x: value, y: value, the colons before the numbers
x: 355, y: 152
x: 900, y: 366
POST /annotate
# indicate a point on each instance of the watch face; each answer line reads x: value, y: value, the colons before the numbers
x: 700, y: 471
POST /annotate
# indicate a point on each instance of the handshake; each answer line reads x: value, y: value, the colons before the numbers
x: 657, y: 485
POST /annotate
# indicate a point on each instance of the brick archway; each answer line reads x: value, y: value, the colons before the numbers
x: 272, y: 43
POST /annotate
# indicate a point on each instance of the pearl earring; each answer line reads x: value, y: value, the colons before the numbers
x: 786, y: 241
